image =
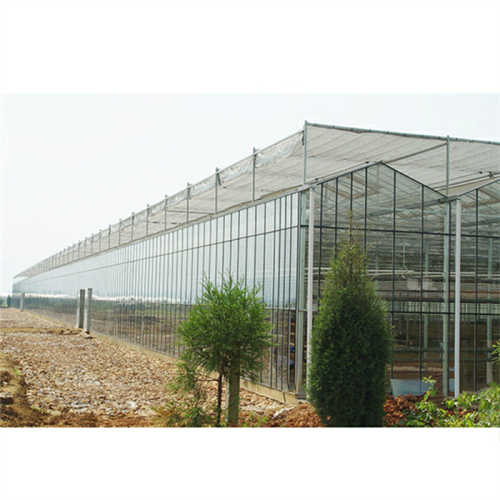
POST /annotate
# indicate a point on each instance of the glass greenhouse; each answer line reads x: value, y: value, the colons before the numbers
x: 428, y: 209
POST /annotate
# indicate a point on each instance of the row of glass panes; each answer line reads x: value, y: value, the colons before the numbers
x: 171, y: 266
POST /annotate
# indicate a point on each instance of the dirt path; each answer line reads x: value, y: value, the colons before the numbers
x: 53, y: 375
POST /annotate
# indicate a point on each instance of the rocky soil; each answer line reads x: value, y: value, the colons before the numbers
x: 55, y: 375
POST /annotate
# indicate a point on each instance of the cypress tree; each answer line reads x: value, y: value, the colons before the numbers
x: 351, y: 344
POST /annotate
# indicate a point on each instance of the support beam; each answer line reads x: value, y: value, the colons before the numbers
x: 446, y: 292
x: 447, y: 166
x: 310, y: 275
x: 458, y: 237
x: 489, y: 318
x: 304, y: 171
x: 166, y: 204
x: 425, y: 305
x: 299, y: 321
x: 216, y: 187
x: 254, y: 166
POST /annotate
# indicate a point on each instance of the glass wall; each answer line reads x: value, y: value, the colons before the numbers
x: 408, y: 230
x: 142, y: 291
x: 480, y: 286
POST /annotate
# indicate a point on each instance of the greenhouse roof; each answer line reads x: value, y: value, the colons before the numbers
x: 312, y: 154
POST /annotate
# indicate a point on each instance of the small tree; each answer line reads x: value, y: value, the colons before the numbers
x: 227, y: 333
x: 351, y: 344
x: 9, y: 300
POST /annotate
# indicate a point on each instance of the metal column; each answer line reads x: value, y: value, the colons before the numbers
x: 425, y: 304
x: 166, y: 204
x: 304, y: 171
x: 310, y: 275
x: 299, y: 321
x: 447, y: 166
x: 489, y: 318
x: 446, y: 291
x: 458, y: 237
x: 216, y: 186
x: 254, y: 166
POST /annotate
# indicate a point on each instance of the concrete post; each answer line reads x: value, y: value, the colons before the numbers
x: 88, y: 310
x: 80, y: 311
x: 21, y: 305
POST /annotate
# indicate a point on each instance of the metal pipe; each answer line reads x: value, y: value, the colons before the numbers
x: 216, y: 188
x: 310, y: 276
x: 489, y: 318
x: 166, y: 203
x: 254, y: 166
x: 447, y: 166
x: 414, y: 154
x: 299, y: 327
x: 401, y: 134
x: 304, y: 172
x: 147, y: 220
x: 187, y: 201
x: 425, y: 304
x: 446, y: 279
x: 458, y: 236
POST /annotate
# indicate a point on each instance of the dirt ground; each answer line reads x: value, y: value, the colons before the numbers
x: 54, y: 375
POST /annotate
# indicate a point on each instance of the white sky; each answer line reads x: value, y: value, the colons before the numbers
x: 107, y: 106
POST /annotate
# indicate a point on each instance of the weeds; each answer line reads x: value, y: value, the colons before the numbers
x: 187, y: 404
x: 466, y: 410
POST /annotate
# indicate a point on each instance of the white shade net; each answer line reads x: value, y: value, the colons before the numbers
x: 328, y: 152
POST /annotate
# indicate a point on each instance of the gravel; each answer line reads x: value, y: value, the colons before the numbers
x: 65, y: 370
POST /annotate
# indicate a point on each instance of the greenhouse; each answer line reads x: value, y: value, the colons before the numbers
x: 427, y: 209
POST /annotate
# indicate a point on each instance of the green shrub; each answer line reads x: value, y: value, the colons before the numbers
x: 351, y: 344
x: 466, y: 410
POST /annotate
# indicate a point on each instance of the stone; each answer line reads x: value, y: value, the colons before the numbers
x: 6, y: 398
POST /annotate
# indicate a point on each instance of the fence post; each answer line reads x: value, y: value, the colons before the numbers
x: 80, y: 310
x: 88, y: 310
